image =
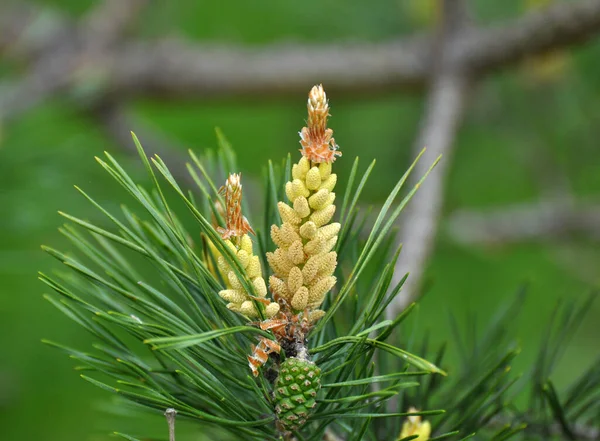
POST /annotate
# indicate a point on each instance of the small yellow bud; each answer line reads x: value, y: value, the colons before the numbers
x: 289, y: 191
x: 320, y: 288
x: 299, y: 170
x: 315, y: 246
x: 300, y: 298
x: 260, y: 287
x: 301, y: 206
x: 278, y: 287
x: 223, y: 265
x: 254, y: 268
x: 271, y: 309
x: 279, y: 262
x: 233, y: 281
x: 299, y: 188
x: 234, y: 307
x: 308, y: 230
x: 296, y: 253
x: 232, y: 295
x: 325, y: 169
x: 289, y: 234
x: 314, y: 305
x: 313, y: 178
x: 246, y: 244
x: 310, y: 269
x: 330, y: 182
x: 248, y: 309
x: 231, y: 246
x: 304, y: 165
x: 319, y: 200
x: 321, y: 217
x: 276, y: 236
x: 329, y: 231
x: 314, y: 316
x: 275, y: 265
x: 330, y: 199
x: 288, y: 214
x: 295, y: 280
x: 244, y: 258
x: 330, y: 244
x: 328, y: 262
x: 296, y: 174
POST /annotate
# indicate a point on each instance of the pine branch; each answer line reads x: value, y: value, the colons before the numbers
x: 557, y: 26
x: 171, y: 414
x: 200, y: 348
x: 182, y: 69
x: 62, y: 56
x: 444, y: 109
x: 109, y: 22
x: 550, y: 218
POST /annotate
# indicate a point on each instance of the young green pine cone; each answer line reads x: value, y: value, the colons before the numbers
x: 296, y: 389
x: 238, y: 298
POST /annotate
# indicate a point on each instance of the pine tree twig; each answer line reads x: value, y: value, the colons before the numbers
x: 62, y: 55
x: 109, y: 22
x: 182, y: 69
x: 205, y: 71
x: 283, y: 68
x: 558, y: 25
x: 444, y: 109
x: 16, y: 24
x: 521, y: 222
x: 170, y: 414
x: 86, y: 58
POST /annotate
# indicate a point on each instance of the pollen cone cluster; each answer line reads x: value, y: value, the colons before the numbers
x: 303, y: 263
x: 238, y: 240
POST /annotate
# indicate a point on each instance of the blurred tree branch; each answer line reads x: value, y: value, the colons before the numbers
x: 184, y: 69
x: 443, y: 112
x: 95, y: 61
x: 461, y: 64
x: 551, y: 218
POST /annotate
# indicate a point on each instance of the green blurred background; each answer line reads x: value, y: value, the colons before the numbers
x: 538, y: 119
